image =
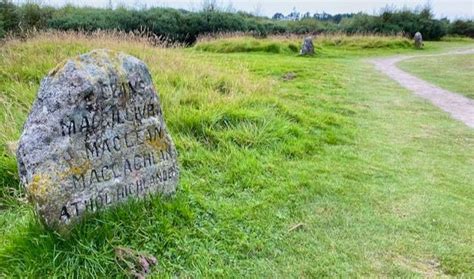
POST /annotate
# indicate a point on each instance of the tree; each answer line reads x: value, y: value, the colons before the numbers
x: 9, y: 16
x: 2, y: 30
x: 294, y: 15
x: 209, y: 5
x: 278, y: 16
x: 463, y: 28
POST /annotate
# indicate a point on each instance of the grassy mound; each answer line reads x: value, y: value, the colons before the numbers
x: 248, y: 44
x: 360, y: 42
x: 291, y: 44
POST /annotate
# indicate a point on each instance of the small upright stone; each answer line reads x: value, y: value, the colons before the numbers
x: 418, y: 40
x: 95, y: 137
x: 308, y: 47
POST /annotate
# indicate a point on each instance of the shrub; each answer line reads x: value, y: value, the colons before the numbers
x: 185, y: 27
x: 392, y: 22
x: 2, y: 29
x: 33, y: 16
x: 8, y: 17
x: 462, y: 28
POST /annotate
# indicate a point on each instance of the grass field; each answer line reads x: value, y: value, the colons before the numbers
x: 291, y: 44
x: 454, y: 73
x: 336, y: 171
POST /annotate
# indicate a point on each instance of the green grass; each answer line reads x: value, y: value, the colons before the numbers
x: 248, y: 44
x: 326, y: 46
x: 374, y: 181
x: 457, y: 39
x: 291, y: 44
x: 451, y: 72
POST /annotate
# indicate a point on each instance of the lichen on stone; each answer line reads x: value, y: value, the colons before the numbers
x: 75, y: 166
x: 40, y: 187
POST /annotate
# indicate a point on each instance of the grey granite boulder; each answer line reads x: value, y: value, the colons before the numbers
x: 95, y: 137
x: 307, y: 48
x: 418, y: 40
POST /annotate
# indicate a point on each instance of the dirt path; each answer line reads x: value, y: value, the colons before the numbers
x: 458, y: 106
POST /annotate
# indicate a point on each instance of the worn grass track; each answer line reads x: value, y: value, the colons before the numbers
x: 451, y: 72
x: 459, y: 107
x: 336, y: 172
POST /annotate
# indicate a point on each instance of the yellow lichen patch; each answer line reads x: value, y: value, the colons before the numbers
x: 107, y: 58
x: 160, y: 143
x: 75, y: 170
x: 110, y: 61
x: 80, y: 169
x: 58, y: 68
x: 39, y: 187
x: 61, y: 66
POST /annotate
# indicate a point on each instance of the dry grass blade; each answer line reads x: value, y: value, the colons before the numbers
x: 137, y: 264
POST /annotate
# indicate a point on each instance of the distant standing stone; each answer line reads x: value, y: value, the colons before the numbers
x: 95, y: 137
x: 418, y: 40
x: 308, y: 47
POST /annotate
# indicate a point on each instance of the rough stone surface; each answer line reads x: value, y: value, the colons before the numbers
x: 418, y: 40
x: 307, y: 48
x: 95, y: 137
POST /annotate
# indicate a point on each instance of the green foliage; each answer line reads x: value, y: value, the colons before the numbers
x: 397, y: 22
x: 172, y: 24
x: 310, y: 25
x: 9, y: 18
x: 34, y: 16
x: 462, y: 28
x: 185, y: 27
x: 2, y: 29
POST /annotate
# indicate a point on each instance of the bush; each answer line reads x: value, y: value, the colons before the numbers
x: 310, y: 25
x: 33, y: 16
x: 392, y: 22
x: 175, y: 25
x: 9, y: 18
x: 185, y: 27
x: 2, y: 29
x: 462, y: 28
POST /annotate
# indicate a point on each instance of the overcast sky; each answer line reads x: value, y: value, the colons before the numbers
x: 442, y: 8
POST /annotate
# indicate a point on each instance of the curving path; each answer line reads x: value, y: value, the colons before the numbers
x: 458, y: 106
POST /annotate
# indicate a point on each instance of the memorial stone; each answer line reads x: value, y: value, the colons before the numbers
x: 418, y: 40
x: 307, y: 48
x: 95, y: 137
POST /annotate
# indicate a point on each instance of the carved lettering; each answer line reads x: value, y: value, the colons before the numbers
x: 78, y: 181
x: 107, y: 140
x: 68, y: 127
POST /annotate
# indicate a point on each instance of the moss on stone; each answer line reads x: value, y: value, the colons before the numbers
x: 40, y: 187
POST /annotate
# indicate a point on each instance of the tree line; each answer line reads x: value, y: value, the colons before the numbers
x: 177, y: 25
